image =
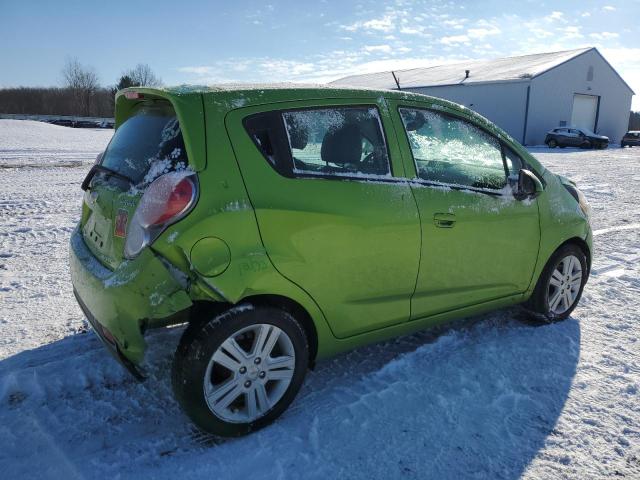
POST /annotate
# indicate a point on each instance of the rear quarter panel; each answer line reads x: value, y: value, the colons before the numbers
x: 224, y: 211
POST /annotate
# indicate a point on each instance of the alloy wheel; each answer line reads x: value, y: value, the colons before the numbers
x: 249, y: 373
x: 564, y: 284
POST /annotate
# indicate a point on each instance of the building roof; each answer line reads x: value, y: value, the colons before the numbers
x: 480, y: 71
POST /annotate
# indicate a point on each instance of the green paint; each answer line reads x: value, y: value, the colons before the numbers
x: 368, y: 259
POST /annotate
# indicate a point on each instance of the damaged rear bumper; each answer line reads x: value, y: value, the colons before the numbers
x: 120, y: 303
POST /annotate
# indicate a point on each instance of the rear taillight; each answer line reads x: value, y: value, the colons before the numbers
x: 133, y: 95
x: 169, y: 198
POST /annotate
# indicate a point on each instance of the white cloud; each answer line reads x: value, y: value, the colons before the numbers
x: 555, y: 15
x: 585, y: 14
x: 377, y: 48
x: 418, y: 30
x: 199, y: 70
x: 384, y: 24
x: 324, y: 68
x: 540, y: 32
x: 609, y: 8
x: 454, y: 39
x: 457, y: 23
x: 480, y: 33
x: 604, y: 35
x: 571, y: 32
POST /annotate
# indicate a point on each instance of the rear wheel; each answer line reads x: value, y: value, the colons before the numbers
x: 552, y: 143
x: 241, y: 370
x: 560, y: 285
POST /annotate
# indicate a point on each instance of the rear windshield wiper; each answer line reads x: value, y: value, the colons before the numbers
x: 108, y: 171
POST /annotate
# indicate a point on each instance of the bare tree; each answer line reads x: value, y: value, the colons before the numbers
x: 83, y: 82
x: 78, y: 76
x: 142, y: 76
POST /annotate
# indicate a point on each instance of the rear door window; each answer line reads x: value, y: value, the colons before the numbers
x: 336, y: 141
x: 146, y: 145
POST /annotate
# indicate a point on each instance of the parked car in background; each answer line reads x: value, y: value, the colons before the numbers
x: 286, y: 225
x: 631, y: 139
x: 87, y: 124
x: 63, y: 122
x: 575, y: 137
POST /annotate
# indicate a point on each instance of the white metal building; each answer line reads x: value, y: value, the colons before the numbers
x: 527, y: 95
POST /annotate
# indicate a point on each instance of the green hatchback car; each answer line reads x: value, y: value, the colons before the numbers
x: 287, y: 224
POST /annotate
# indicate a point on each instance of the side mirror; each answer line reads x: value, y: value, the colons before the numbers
x: 527, y: 185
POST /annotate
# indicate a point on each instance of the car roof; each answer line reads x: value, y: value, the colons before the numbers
x: 246, y: 94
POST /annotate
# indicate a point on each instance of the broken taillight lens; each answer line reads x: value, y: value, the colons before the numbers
x: 167, y: 199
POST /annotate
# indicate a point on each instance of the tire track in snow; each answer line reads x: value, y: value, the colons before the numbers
x: 618, y: 228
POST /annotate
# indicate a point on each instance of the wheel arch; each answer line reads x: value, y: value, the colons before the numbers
x: 202, y: 311
x: 544, y: 260
x: 298, y: 312
x: 581, y: 244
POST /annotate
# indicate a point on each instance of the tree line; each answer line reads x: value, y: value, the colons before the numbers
x: 81, y: 93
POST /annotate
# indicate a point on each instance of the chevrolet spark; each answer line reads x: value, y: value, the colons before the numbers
x: 284, y: 225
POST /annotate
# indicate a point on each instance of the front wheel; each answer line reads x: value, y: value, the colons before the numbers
x: 552, y: 143
x: 241, y: 370
x: 560, y: 285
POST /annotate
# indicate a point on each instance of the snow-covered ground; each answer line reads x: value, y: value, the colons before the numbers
x: 489, y: 397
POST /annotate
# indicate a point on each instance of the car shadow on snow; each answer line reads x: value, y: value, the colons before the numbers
x: 478, y: 398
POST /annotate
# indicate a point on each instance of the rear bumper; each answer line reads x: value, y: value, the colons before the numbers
x: 108, y: 343
x: 119, y: 303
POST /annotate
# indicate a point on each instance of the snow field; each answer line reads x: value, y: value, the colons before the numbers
x: 488, y: 397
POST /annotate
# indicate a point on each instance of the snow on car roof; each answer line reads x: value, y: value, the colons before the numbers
x: 500, y: 69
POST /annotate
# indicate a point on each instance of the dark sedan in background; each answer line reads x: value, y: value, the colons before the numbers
x: 631, y: 139
x: 575, y: 137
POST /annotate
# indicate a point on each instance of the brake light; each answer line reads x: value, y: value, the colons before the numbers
x: 166, y: 200
x: 133, y: 95
x: 167, y: 197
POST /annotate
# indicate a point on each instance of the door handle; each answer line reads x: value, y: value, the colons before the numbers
x: 444, y: 220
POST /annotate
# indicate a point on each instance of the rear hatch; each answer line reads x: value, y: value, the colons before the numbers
x: 146, y: 145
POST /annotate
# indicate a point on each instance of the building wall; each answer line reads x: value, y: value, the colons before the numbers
x: 551, y: 97
x: 502, y: 103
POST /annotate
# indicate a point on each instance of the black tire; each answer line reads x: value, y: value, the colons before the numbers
x: 538, y: 303
x: 552, y: 143
x: 201, y: 340
x: 622, y: 145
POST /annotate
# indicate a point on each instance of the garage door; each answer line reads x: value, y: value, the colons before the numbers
x: 585, y: 108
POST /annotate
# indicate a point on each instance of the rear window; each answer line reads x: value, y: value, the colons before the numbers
x: 147, y: 145
x: 345, y: 141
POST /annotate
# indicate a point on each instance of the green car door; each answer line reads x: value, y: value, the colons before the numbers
x: 478, y: 242
x: 335, y: 213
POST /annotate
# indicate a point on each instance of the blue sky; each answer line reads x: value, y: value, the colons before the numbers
x: 213, y: 41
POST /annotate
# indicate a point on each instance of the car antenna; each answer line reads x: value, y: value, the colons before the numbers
x: 396, y: 79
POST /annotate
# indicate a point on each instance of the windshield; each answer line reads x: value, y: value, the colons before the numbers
x: 146, y: 145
